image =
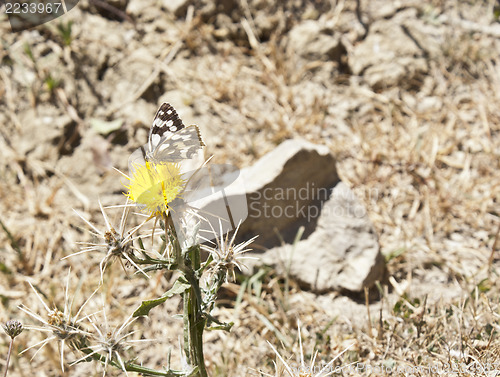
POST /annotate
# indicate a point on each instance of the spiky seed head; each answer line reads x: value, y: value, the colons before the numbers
x: 13, y: 328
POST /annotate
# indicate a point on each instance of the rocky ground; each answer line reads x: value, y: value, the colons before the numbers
x: 403, y: 93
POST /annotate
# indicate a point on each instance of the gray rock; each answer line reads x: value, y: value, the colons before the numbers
x: 285, y: 190
x: 342, y: 253
x: 296, y: 185
x: 389, y: 56
x: 311, y: 40
x: 177, y: 7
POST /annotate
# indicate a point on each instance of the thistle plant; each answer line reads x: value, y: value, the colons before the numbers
x: 12, y: 328
x: 159, y: 188
x: 60, y: 325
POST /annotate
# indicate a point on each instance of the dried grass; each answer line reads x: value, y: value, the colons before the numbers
x: 424, y: 157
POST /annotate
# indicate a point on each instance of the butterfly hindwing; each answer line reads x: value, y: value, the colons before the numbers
x: 181, y: 145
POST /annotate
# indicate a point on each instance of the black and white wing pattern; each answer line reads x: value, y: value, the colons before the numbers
x: 169, y: 139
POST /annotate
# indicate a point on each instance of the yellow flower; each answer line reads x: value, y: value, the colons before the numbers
x: 154, y: 186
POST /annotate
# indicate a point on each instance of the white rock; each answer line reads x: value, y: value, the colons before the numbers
x: 311, y: 41
x: 297, y: 185
x: 341, y: 254
x: 177, y: 7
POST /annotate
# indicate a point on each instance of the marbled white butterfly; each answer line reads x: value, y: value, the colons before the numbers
x: 169, y: 139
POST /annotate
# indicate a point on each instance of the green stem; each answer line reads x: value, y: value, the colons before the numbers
x: 187, y: 343
x: 195, y: 314
x: 179, y: 262
x: 194, y: 321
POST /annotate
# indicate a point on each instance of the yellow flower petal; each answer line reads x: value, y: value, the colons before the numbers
x: 154, y: 186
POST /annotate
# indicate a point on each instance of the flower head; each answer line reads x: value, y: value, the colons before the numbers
x: 226, y: 255
x: 61, y: 325
x: 108, y: 344
x: 153, y: 186
x: 13, y: 328
x: 115, y: 244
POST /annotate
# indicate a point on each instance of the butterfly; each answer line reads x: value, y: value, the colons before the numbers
x: 169, y: 139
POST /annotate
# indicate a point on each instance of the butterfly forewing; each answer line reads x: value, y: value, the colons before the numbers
x: 165, y: 124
